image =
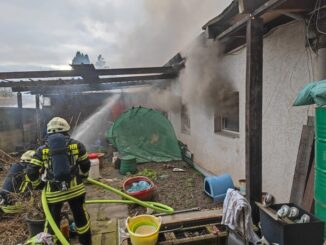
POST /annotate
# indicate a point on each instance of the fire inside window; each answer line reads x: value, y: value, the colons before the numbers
x: 230, y: 122
x: 185, y: 120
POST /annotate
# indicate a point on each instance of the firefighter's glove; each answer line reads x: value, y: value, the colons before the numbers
x: 85, y: 181
x: 84, y: 177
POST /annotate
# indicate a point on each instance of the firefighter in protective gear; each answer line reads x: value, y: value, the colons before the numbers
x: 74, y: 193
x: 16, y: 179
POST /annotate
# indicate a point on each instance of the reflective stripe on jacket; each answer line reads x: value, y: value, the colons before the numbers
x: 41, y: 165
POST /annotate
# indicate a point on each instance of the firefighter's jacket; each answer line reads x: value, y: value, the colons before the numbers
x: 41, y: 165
x: 16, y: 179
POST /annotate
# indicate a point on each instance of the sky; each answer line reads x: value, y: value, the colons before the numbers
x: 43, y: 34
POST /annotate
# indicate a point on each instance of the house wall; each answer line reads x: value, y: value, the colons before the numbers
x: 287, y: 67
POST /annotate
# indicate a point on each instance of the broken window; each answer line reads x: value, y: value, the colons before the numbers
x: 185, y: 120
x: 46, y: 102
x: 228, y: 122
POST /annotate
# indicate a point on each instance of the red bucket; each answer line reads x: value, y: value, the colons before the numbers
x: 144, y: 195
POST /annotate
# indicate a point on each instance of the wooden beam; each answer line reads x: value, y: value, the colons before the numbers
x: 304, y: 159
x: 308, y: 196
x: 63, y: 82
x: 254, y: 92
x: 258, y: 12
x: 249, y: 6
x: 80, y: 88
x: 20, y: 118
x: 80, y: 72
x: 37, y: 117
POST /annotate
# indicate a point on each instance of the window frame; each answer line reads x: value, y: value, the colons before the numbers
x: 219, y: 122
x: 184, y: 112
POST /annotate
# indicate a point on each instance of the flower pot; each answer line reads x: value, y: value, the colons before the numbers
x: 35, y: 226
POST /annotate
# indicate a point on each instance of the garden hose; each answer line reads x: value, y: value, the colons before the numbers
x: 152, y: 205
x: 131, y: 200
x: 51, y: 221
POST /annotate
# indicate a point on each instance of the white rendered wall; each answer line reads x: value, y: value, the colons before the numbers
x: 287, y: 67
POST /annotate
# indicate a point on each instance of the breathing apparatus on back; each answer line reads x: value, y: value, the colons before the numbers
x: 60, y: 160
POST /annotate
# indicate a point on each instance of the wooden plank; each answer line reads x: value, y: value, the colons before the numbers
x: 5, y: 158
x: 298, y: 4
x: 82, y: 70
x: 302, y: 164
x: 311, y: 121
x: 192, y: 216
x: 37, y: 117
x: 77, y: 89
x: 96, y: 239
x: 308, y: 197
x: 254, y: 92
x: 20, y: 118
x: 249, y: 6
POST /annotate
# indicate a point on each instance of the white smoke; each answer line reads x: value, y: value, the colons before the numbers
x: 166, y: 27
x: 201, y: 83
x: 204, y: 82
x: 95, y: 126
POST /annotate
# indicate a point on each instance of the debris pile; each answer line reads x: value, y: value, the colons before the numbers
x: 13, y: 227
x: 13, y: 230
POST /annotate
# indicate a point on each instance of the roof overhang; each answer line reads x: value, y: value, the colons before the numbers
x: 230, y: 26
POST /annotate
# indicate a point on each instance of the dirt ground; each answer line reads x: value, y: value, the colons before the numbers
x: 180, y: 190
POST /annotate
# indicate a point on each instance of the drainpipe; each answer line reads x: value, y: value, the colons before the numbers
x: 321, y: 59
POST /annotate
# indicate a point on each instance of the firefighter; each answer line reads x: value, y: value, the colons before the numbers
x: 62, y: 163
x: 16, y: 180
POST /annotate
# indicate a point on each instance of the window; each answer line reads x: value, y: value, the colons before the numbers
x: 185, y: 120
x: 46, y: 102
x: 228, y: 122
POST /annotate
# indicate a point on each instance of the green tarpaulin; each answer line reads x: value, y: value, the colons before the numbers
x: 312, y: 93
x: 146, y: 134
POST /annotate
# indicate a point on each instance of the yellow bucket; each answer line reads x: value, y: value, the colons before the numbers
x: 143, y: 229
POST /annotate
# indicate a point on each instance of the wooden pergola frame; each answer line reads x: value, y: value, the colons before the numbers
x: 84, y: 75
x: 81, y: 78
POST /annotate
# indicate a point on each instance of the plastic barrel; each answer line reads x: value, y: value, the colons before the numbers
x: 320, y: 174
x: 217, y: 186
x: 320, y: 185
x: 128, y: 165
x: 94, y: 171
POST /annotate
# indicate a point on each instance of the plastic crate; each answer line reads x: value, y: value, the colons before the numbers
x: 291, y: 234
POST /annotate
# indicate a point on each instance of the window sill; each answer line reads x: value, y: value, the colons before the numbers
x: 229, y: 134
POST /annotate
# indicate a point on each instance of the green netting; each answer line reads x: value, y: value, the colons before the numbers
x: 145, y: 134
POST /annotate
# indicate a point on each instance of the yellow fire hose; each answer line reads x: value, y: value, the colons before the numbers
x: 131, y: 200
x: 152, y: 205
